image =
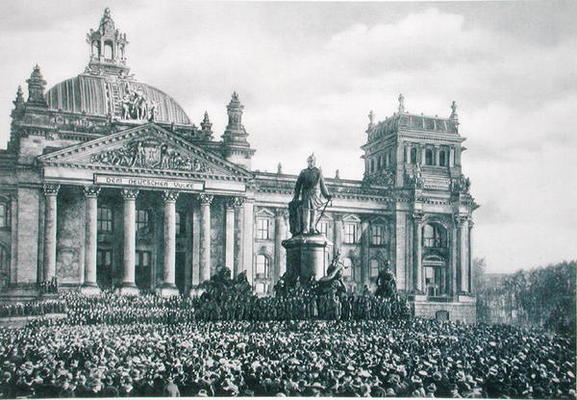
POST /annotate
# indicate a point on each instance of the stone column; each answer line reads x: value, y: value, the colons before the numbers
x: 205, y: 202
x: 91, y: 238
x: 454, y: 256
x: 248, y: 242
x: 418, y: 220
x: 338, y: 232
x: 458, y: 156
x: 128, y: 285
x: 169, y: 283
x: 463, y: 230
x: 451, y: 156
x: 437, y: 156
x: 279, y: 235
x: 470, y: 257
x: 50, y: 216
x: 238, y: 234
x: 365, y: 244
x: 422, y: 154
x: 407, y: 153
x: 229, y: 234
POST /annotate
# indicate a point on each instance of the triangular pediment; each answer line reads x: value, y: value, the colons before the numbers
x: 147, y: 148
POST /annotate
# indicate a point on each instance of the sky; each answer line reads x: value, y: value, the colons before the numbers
x: 308, y: 73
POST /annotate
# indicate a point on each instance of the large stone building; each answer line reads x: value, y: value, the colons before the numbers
x: 106, y: 182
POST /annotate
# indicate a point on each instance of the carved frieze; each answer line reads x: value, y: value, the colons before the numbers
x: 149, y: 153
x: 460, y: 184
x: 386, y: 179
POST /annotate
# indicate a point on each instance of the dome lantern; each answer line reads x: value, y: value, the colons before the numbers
x: 107, y: 48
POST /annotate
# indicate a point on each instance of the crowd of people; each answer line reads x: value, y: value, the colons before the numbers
x: 383, y: 358
x: 25, y: 309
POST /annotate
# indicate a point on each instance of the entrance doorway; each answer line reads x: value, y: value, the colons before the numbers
x: 104, y: 268
x: 179, y: 270
x: 142, y: 269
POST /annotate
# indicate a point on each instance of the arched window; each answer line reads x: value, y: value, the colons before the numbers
x: 413, y: 156
x: 374, y: 268
x: 443, y: 158
x: 108, y: 50
x: 4, y: 214
x: 262, y: 266
x: 429, y: 157
x: 348, y: 270
x: 96, y: 48
x: 434, y: 235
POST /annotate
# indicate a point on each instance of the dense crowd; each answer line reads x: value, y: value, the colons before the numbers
x: 110, y: 308
x: 32, y: 308
x: 405, y: 357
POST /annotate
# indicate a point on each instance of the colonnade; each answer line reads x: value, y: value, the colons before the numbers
x: 238, y: 212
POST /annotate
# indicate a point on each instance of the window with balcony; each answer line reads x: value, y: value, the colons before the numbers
x: 104, y: 219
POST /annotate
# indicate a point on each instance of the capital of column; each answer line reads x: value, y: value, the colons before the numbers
x: 129, y: 194
x: 418, y: 217
x: 51, y: 189
x: 206, y: 199
x: 170, y: 196
x: 91, y: 191
x: 460, y: 220
x: 234, y: 202
x: 281, y: 212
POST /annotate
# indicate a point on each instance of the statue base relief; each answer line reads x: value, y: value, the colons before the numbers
x: 305, y: 256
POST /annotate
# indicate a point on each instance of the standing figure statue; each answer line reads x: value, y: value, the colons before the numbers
x: 307, y: 200
x: 386, y: 284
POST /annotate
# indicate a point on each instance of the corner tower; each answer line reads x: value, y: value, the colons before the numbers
x: 236, y: 147
x: 410, y: 149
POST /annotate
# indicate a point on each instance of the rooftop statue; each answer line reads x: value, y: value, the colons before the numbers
x: 307, y: 200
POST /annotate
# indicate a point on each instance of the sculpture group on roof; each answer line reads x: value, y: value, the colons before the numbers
x: 135, y: 105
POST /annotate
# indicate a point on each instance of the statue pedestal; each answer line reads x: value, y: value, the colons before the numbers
x: 305, y: 256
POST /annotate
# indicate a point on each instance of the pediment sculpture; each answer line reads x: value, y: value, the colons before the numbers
x: 149, y: 153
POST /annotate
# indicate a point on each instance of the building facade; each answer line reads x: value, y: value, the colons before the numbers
x: 106, y: 183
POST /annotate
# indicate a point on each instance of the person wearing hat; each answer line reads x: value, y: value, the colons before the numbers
x: 109, y: 389
x: 171, y: 390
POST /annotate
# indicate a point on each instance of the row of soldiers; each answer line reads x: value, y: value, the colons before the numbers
x: 32, y: 308
x: 307, y: 307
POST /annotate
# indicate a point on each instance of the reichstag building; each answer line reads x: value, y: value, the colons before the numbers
x: 107, y: 183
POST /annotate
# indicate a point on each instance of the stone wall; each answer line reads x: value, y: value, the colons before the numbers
x: 70, y: 237
x: 461, y: 311
x: 27, y: 237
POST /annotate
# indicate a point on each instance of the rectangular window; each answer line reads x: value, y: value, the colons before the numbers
x: 263, y: 228
x: 262, y: 266
x: 351, y: 233
x: 142, y: 219
x: 179, y: 226
x: 104, y: 219
x: 3, y: 215
x: 377, y: 235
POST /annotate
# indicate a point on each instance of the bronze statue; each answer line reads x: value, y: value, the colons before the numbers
x: 386, y: 284
x: 333, y: 280
x: 307, y: 199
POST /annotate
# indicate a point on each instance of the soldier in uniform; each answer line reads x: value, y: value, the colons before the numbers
x: 310, y: 185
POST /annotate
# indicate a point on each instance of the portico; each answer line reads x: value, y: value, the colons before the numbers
x: 139, y: 229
